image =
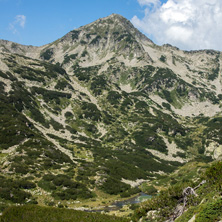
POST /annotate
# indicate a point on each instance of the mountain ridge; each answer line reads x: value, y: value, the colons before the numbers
x: 101, y: 108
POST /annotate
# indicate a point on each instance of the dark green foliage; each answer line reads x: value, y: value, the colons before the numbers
x: 62, y: 84
x: 98, y: 84
x: 71, y: 130
x: 85, y: 73
x: 57, y: 126
x: 84, y: 53
x: 3, y: 75
x: 57, y: 156
x: 114, y: 97
x: 214, y: 175
x: 201, y: 149
x: 145, y: 163
x: 95, y: 40
x: 14, y: 45
x: 69, y: 58
x: 126, y: 37
x: 33, y: 213
x: 163, y: 58
x: 75, y: 34
x: 14, y: 126
x: 38, y: 116
x: 2, y: 87
x: 20, y: 97
x: 24, y: 184
x: 107, y: 118
x: 19, y: 169
x: 31, y: 74
x: 163, y: 78
x: 214, y: 74
x: 47, y: 54
x: 90, y: 111
x: 82, y: 76
x: 8, y: 75
x: 46, y: 185
x: 220, y: 96
x: 182, y: 90
x: 130, y: 192
x: 113, y: 186
x: 91, y: 128
x: 11, y: 190
x: 141, y: 105
x: 210, y: 212
x: 49, y: 95
x: 64, y: 188
x: 148, y: 139
x: 82, y: 42
x: 211, y: 96
x: 54, y: 70
x: 68, y: 115
x: 121, y: 169
x: 214, y: 130
x: 51, y: 71
x: 167, y: 96
x: 166, y: 105
x: 126, y: 104
x: 151, y: 190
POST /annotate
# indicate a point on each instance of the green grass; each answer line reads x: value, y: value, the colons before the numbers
x: 207, y: 205
x: 33, y: 213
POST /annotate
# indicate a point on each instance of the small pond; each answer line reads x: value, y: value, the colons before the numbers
x: 138, y: 199
x: 117, y: 205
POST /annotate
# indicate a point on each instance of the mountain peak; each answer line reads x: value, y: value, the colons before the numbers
x: 116, y: 17
x: 99, y: 41
x: 111, y: 20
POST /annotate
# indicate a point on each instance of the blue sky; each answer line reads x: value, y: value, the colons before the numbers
x: 48, y: 20
x: 187, y: 24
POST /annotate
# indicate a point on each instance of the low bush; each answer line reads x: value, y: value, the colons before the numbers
x: 210, y: 212
x: 34, y: 213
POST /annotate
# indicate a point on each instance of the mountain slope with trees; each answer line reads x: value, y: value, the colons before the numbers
x: 85, y: 117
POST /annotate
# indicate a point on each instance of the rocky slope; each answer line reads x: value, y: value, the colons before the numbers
x: 101, y: 108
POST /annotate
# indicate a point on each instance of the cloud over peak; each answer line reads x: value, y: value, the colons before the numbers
x: 19, y: 20
x: 187, y: 24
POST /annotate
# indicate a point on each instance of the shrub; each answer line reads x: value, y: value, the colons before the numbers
x: 210, y: 212
x: 47, y: 54
x: 163, y: 58
x: 62, y: 84
x: 214, y: 175
x: 113, y: 186
x: 151, y: 190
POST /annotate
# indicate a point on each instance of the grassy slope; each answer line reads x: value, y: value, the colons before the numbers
x: 206, y: 207
x: 45, y: 214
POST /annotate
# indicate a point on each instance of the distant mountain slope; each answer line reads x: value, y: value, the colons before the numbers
x: 100, y: 108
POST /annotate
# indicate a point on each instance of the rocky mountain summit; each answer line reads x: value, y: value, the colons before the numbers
x: 101, y: 108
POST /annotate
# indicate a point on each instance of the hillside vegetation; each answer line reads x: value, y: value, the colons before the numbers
x: 103, y: 113
x: 206, y: 206
x: 45, y: 214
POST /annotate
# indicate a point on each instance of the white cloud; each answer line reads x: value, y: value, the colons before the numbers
x: 20, y: 20
x: 187, y: 24
x: 149, y: 2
